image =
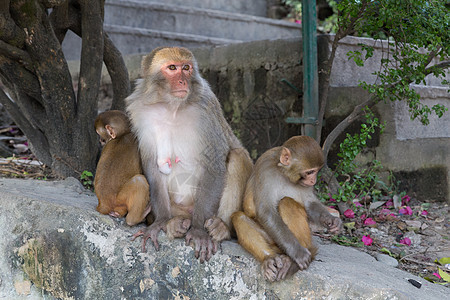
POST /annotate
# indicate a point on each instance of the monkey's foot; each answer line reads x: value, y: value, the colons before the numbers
x: 151, y: 232
x: 114, y: 214
x: 217, y: 229
x: 303, y: 258
x: 275, y: 268
x: 165, y: 166
x: 204, y: 246
x: 177, y: 227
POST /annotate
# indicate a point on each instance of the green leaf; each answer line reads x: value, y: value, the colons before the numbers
x: 350, y: 225
x: 387, y: 251
x: 444, y: 275
x: 443, y: 261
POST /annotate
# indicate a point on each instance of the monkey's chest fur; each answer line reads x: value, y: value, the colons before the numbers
x: 171, y: 140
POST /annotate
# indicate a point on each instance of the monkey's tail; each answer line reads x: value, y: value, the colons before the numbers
x: 313, y: 250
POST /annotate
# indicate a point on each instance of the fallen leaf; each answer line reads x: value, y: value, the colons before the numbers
x: 350, y: 225
x: 443, y: 261
x: 401, y: 225
x: 397, y: 201
x: 444, y: 275
x: 376, y: 204
x: 387, y: 251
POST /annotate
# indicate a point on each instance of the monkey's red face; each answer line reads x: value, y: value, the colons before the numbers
x: 178, y: 74
x: 309, y: 177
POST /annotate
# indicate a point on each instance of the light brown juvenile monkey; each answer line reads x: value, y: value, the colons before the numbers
x: 278, y: 203
x: 119, y: 183
x: 195, y: 165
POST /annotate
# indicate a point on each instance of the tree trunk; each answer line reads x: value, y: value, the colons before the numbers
x: 38, y: 90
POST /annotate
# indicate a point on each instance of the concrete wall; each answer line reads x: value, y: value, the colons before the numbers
x: 248, y: 77
x: 417, y: 154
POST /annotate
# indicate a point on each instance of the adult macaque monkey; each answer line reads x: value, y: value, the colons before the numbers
x: 279, y: 200
x: 119, y: 183
x: 195, y: 165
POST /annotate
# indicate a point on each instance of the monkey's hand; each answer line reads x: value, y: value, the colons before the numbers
x: 177, y: 227
x: 204, y: 246
x: 151, y: 232
x: 302, y: 257
x: 217, y: 229
x: 332, y: 223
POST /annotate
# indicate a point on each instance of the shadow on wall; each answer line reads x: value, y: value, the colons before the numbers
x: 424, y: 184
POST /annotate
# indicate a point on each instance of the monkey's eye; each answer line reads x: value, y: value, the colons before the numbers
x: 172, y: 67
x: 186, y: 67
x: 310, y: 172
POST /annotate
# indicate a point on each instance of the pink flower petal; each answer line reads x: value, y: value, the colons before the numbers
x: 437, y: 275
x: 363, y: 217
x: 349, y: 213
x: 369, y: 221
x: 424, y: 213
x: 405, y: 211
x: 385, y: 211
x: 357, y: 204
x: 406, y: 241
x: 405, y: 199
x: 389, y: 203
x: 367, y: 240
x: 331, y: 198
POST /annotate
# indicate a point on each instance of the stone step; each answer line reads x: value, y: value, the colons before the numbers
x: 138, y: 26
x: 252, y: 7
x: 190, y: 20
x: 137, y: 40
x: 130, y: 40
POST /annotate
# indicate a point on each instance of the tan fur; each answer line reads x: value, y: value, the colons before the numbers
x: 295, y: 217
x: 120, y: 187
x: 253, y: 238
x: 249, y: 203
x: 239, y: 168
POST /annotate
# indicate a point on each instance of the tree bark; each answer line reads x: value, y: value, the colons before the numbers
x: 38, y: 91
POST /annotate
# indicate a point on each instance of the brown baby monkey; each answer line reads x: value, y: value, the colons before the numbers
x: 279, y: 202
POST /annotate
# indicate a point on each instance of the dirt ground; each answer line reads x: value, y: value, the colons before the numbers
x: 415, y: 238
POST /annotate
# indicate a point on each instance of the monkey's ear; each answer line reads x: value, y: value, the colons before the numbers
x: 111, y: 131
x: 285, y: 157
x: 147, y: 61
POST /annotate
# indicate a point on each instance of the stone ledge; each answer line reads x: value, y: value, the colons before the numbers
x: 55, y: 245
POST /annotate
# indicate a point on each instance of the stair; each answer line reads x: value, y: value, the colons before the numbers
x: 138, y: 26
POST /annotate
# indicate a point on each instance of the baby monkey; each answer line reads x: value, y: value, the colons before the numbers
x: 279, y: 202
x: 119, y: 183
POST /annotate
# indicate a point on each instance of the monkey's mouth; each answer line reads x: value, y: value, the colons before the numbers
x: 180, y: 93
